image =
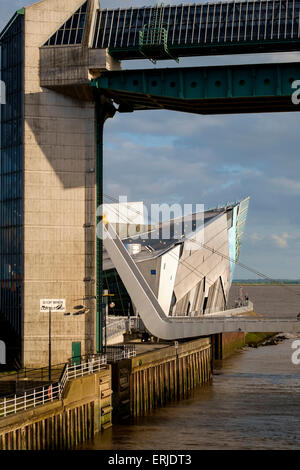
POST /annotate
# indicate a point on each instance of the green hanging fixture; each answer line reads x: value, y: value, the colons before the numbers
x: 153, y: 39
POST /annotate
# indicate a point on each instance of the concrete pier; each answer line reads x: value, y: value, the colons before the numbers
x: 84, y: 410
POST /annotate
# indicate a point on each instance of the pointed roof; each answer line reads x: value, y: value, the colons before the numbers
x: 71, y: 32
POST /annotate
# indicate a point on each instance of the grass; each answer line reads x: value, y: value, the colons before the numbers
x: 255, y: 339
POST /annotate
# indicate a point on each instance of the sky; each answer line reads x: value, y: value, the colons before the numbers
x: 166, y: 157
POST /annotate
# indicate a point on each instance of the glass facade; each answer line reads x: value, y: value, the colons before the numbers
x: 71, y: 32
x: 121, y: 299
x: 213, y: 23
x: 11, y: 173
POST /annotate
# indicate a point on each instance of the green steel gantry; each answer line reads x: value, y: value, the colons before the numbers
x: 204, y: 90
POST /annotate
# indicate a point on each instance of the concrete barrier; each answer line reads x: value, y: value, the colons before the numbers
x: 84, y: 410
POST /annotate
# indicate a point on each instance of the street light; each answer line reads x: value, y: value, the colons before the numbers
x: 106, y: 296
x: 81, y: 310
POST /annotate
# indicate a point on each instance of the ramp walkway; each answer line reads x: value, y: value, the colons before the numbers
x: 172, y: 328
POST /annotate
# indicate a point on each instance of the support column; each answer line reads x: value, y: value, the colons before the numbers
x: 104, y: 110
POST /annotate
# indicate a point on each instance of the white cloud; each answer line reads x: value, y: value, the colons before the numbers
x: 287, y: 185
x: 281, y: 241
x: 255, y: 237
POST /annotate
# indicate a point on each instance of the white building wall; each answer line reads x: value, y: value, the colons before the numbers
x: 168, y: 270
x: 195, y: 265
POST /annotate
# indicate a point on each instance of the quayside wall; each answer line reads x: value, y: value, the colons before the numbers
x: 225, y: 344
x: 153, y: 379
x: 84, y: 410
x: 127, y: 388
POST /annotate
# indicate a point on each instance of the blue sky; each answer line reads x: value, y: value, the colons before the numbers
x: 161, y: 156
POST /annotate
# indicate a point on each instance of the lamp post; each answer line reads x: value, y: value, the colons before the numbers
x: 50, y: 345
x: 106, y: 296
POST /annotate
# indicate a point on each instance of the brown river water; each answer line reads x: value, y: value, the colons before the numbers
x: 252, y: 403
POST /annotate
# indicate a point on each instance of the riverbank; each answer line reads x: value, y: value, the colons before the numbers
x: 257, y: 339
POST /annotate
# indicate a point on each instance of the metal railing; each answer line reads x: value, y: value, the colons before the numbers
x: 40, y: 374
x: 49, y: 393
x: 119, y: 325
x: 118, y: 353
x: 135, y: 323
x: 115, y: 328
x: 30, y: 399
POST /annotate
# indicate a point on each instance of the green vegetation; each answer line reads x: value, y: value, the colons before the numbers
x: 255, y: 339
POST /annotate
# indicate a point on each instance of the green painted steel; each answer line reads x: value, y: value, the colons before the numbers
x: 197, y: 50
x: 76, y: 353
x: 221, y: 27
x: 104, y: 111
x: 204, y: 90
x: 153, y: 38
x: 99, y: 242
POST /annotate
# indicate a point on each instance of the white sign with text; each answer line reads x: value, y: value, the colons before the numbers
x: 55, y: 305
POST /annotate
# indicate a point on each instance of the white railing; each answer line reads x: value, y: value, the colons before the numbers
x: 48, y: 393
x: 30, y: 399
x: 120, y: 325
x: 115, y: 328
x: 135, y: 323
x: 118, y: 353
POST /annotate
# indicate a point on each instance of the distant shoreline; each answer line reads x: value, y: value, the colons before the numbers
x: 257, y: 284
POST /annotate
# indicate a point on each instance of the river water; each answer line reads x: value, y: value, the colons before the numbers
x: 252, y: 403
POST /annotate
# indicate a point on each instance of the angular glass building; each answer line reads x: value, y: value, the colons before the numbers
x: 190, y: 271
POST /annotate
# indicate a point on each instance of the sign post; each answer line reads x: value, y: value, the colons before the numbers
x: 49, y: 344
x: 52, y: 305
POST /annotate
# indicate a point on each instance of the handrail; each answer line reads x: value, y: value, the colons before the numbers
x: 120, y: 352
x: 39, y: 373
x: 121, y: 325
x: 41, y: 395
x: 47, y: 393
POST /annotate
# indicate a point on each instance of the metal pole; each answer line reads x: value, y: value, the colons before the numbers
x: 106, y: 317
x: 129, y: 322
x: 50, y: 344
x: 99, y: 241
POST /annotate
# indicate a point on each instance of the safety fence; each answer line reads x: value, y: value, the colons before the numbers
x: 41, y: 395
x: 120, y: 325
x: 118, y: 353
